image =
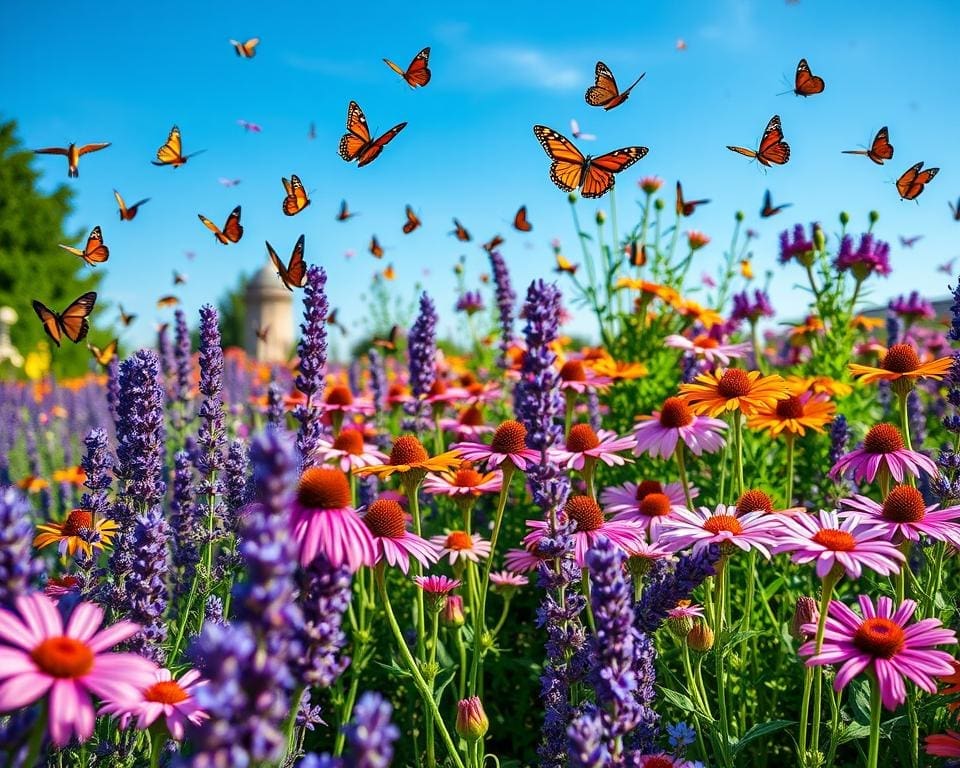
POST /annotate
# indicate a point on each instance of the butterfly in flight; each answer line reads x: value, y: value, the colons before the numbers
x: 909, y: 242
x: 769, y: 209
x: 171, y: 153
x: 332, y: 320
x: 375, y: 248
x: 128, y: 212
x: 412, y: 221
x: 72, y: 322
x: 179, y: 278
x: 344, y: 212
x: 389, y: 273
x: 493, y: 243
x: 773, y: 150
x: 681, y: 44
x: 460, y: 232
x: 94, y: 252
x: 604, y: 92
x: 312, y: 131
x: 125, y: 318
x: 296, y: 199
x: 73, y: 154
x: 262, y: 332
x: 686, y: 207
x: 389, y: 341
x: 578, y: 134
x: 231, y: 232
x: 806, y: 83
x: 636, y: 253
x: 294, y: 274
x: 746, y: 269
x: 418, y: 73
x: 167, y: 301
x: 955, y: 210
x: 357, y: 144
x: 571, y: 170
x: 228, y: 182
x: 913, y: 181
x: 946, y: 267
x: 246, y: 50
x: 249, y: 127
x: 104, y: 356
x: 520, y: 222
x: 881, y: 149
x: 565, y: 265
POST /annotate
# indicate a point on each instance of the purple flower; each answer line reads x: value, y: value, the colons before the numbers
x: 168, y: 363
x: 588, y: 747
x: 97, y: 463
x: 422, y: 349
x: 839, y: 437
x: 186, y: 523
x: 145, y: 587
x: 665, y: 588
x: 113, y: 390
x: 312, y: 351
x: 275, y: 411
x: 324, y: 597
x: 751, y: 311
x: 871, y: 256
x: 378, y: 380
x: 211, y: 437
x: 470, y: 303
x: 537, y: 400
x: 799, y: 247
x: 370, y: 737
x: 506, y: 297
x: 236, y: 485
x: 18, y: 568
x: 184, y: 365
x: 913, y: 307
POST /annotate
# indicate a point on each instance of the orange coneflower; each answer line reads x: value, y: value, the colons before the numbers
x: 650, y: 290
x: 32, y: 484
x: 409, y: 457
x: 902, y: 362
x: 698, y: 313
x: 617, y: 370
x: 78, y: 531
x: 819, y: 385
x: 71, y: 475
x: 866, y: 324
x: 733, y: 389
x: 802, y: 410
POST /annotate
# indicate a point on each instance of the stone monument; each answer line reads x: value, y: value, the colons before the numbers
x: 268, y: 325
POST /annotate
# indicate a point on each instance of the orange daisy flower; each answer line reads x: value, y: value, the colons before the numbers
x: 698, y: 313
x: 801, y: 334
x: 733, y: 389
x: 902, y: 362
x: 408, y: 457
x: 819, y: 385
x: 32, y: 484
x: 78, y: 531
x: 617, y: 370
x: 866, y: 324
x: 794, y: 415
x: 650, y: 290
x: 71, y: 475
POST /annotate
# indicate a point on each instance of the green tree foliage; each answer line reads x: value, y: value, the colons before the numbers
x: 32, y: 223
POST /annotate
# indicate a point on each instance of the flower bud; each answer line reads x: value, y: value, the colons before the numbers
x: 874, y: 217
x: 680, y: 626
x: 601, y: 217
x: 658, y: 203
x: 452, y: 613
x: 472, y: 721
x: 572, y: 198
x: 819, y: 238
x: 739, y: 216
x: 806, y: 612
x: 700, y: 637
x: 844, y: 218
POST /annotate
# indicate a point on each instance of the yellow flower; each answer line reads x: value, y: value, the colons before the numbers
x: 818, y: 385
x: 409, y: 457
x: 712, y: 394
x: 78, y: 531
x: 901, y: 362
x: 697, y: 312
x: 794, y: 415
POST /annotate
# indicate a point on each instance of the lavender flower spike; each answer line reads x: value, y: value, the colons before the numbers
x: 324, y: 597
x: 97, y: 463
x: 18, y: 568
x: 537, y: 400
x: 182, y: 360
x: 312, y: 350
x: 506, y: 297
x: 146, y: 588
x: 370, y: 737
x: 422, y: 349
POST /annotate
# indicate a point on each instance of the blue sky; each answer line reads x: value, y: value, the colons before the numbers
x: 117, y: 72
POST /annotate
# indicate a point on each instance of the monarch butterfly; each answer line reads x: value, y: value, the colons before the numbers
x: 412, y: 221
x: 806, y: 83
x: 565, y: 265
x: 769, y: 209
x: 955, y: 210
x: 520, y: 220
x: 773, y: 150
x: 418, y: 73
x: 296, y: 199
x: 881, y: 149
x: 389, y: 273
x: 294, y: 275
x: 179, y: 278
x: 125, y: 318
x: 494, y: 242
x: 73, y: 153
x: 909, y: 242
x: 171, y: 153
x: 636, y: 253
x: 72, y: 322
x: 332, y: 320
x: 912, y: 182
x: 167, y: 301
x: 104, y: 356
x: 460, y: 232
x: 128, y: 212
x: 571, y: 170
x: 746, y: 269
x: 231, y: 232
x: 344, y: 212
x: 356, y: 143
x: 246, y: 50
x: 375, y: 248
x: 604, y: 93
x: 389, y: 341
x: 94, y: 252
x: 686, y: 207
x: 262, y: 332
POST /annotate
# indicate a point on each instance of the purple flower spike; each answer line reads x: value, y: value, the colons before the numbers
x: 18, y: 568
x: 312, y: 351
x: 422, y: 349
x: 870, y: 257
x: 506, y: 298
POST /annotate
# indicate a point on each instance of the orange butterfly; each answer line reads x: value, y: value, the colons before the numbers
x: 565, y: 265
x: 604, y: 93
x: 636, y: 253
x: 520, y: 220
x: 94, y: 252
x: 880, y: 150
x: 912, y: 182
x: 179, y: 278
x: 806, y: 83
x: 72, y: 322
x: 375, y: 248
x: 418, y: 73
x: 246, y: 50
x: 294, y: 275
x: 389, y: 273
x: 773, y: 150
x: 412, y: 221
x: 390, y: 340
x: 262, y: 333
x: 344, y: 212
x: 231, y: 232
x: 571, y: 170
x: 955, y: 210
x: 296, y: 199
x: 171, y: 153
x: 357, y: 144
x: 686, y: 207
x: 769, y: 209
x: 167, y: 301
x: 460, y: 232
x: 104, y: 356
x: 73, y: 153
x: 125, y: 318
x: 332, y: 320
x: 128, y: 212
x: 494, y: 242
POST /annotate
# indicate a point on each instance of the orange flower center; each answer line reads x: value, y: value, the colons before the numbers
x: 791, y: 408
x: 166, y: 692
x: 349, y: 441
x: 881, y: 638
x: 883, y: 438
x: 63, y: 657
x: 407, y: 449
x: 439, y: 388
x: 719, y: 523
x: 835, y: 540
x: 471, y: 417
x: 77, y: 521
x: 467, y: 476
x: 469, y: 380
x: 734, y: 383
x: 675, y: 413
x: 510, y: 437
x: 585, y: 512
x: 582, y: 438
x: 385, y: 519
x: 904, y: 505
x: 900, y: 358
x: 655, y: 505
x: 459, y: 540
x: 573, y: 371
x: 339, y: 395
x: 646, y: 487
x: 754, y: 500
x: 706, y: 342
x: 323, y: 488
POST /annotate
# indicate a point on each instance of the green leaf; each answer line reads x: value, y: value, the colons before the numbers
x: 853, y: 732
x: 682, y: 701
x: 760, y: 730
x: 859, y: 698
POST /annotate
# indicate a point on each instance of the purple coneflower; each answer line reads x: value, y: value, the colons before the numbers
x: 437, y: 585
x: 883, y: 450
x: 584, y: 446
x: 659, y: 433
x: 392, y: 542
x: 460, y: 545
x: 165, y: 696
x: 724, y: 525
x: 509, y: 444
x: 708, y: 348
x: 348, y: 450
x: 627, y: 500
x: 465, y: 481
x: 577, y: 378
x: 904, y: 515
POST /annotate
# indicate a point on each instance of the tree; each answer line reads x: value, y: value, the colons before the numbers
x: 31, y: 265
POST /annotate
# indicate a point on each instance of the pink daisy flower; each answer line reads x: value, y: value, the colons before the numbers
x: 686, y: 610
x: 577, y: 378
x: 466, y: 481
x: 340, y: 399
x: 56, y: 588
x: 708, y: 348
x: 851, y: 544
x: 523, y: 560
x: 437, y: 585
x: 626, y: 498
x: 508, y: 579
x: 649, y: 508
x: 174, y: 699
x: 724, y: 525
x: 469, y: 424
x: 943, y: 744
x: 460, y: 545
x: 482, y: 391
x: 585, y: 446
x: 509, y: 444
x: 662, y: 760
x: 392, y: 542
x: 905, y: 515
x: 38, y: 656
x: 659, y: 433
x: 348, y: 450
x: 883, y: 449
x: 882, y: 643
x: 323, y: 520
x: 441, y: 394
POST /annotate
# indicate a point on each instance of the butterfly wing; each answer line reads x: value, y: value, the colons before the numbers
x: 369, y: 153
x: 213, y: 228
x: 913, y: 180
x: 520, y: 220
x: 881, y: 149
x: 344, y: 213
x: 73, y: 320
x: 742, y: 151
x: 418, y: 73
x: 297, y: 268
x: 121, y: 205
x: 604, y: 90
x: 105, y: 355
x: 412, y: 221
x: 233, y: 230
x: 955, y: 210
x: 296, y: 199
x: 568, y: 166
x: 50, y: 320
x: 278, y: 265
x: 773, y: 149
x: 95, y: 251
x: 600, y: 173
x: 806, y: 83
x: 357, y: 136
x: 495, y: 242
x: 375, y: 248
x: 170, y: 153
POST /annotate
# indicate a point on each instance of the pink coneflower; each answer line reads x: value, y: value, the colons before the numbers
x: 662, y: 760
x: 625, y: 500
x: 392, y: 542
x: 851, y: 544
x: 685, y: 610
x: 460, y: 545
x: 509, y: 444
x: 883, y: 449
x: 882, y: 643
x: 57, y: 588
x: 650, y: 511
x: 724, y: 526
x: 340, y: 399
x: 585, y: 446
x: 905, y: 515
x: 578, y: 378
x: 659, y: 433
x: 348, y: 450
x: 707, y: 347
x: 943, y: 744
x: 174, y: 699
x: 469, y: 424
x: 465, y: 481
x: 523, y: 560
x: 481, y: 391
x: 437, y: 585
x: 323, y: 520
x: 441, y: 394
x: 508, y: 579
x: 37, y: 657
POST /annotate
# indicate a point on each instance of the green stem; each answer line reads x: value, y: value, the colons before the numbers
x: 412, y: 489
x: 434, y: 632
x: 788, y: 501
x: 873, y: 752
x: 585, y: 588
x: 682, y: 472
x: 829, y: 582
x: 719, y: 663
x: 35, y: 742
x: 738, y: 454
x: 462, y: 651
x: 290, y: 724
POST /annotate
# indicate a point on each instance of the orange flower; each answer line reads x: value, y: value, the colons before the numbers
x: 71, y: 475
x: 617, y: 370
x: 650, y: 290
x: 78, y: 531
x: 818, y: 385
x: 801, y: 334
x: 866, y: 324
x: 695, y: 311
x: 902, y: 362
x: 794, y: 415
x: 953, y: 686
x: 696, y: 240
x: 32, y: 484
x: 733, y: 389
x: 409, y: 457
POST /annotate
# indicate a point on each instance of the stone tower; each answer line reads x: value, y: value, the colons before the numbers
x: 270, y: 309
